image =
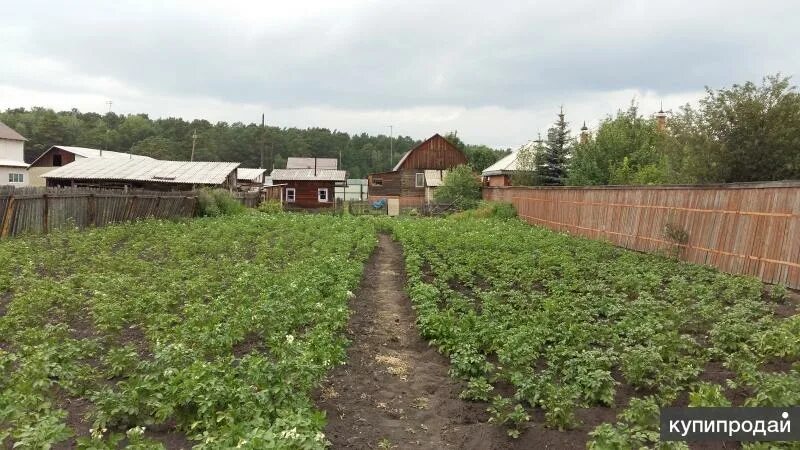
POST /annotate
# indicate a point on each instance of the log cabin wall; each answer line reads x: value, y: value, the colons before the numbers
x: 306, y: 193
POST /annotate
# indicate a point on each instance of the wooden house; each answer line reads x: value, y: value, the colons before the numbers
x: 309, y: 183
x: 417, y: 174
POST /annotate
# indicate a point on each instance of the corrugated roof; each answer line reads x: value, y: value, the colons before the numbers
x: 308, y: 163
x: 184, y: 172
x: 249, y: 174
x: 307, y: 175
x: 507, y: 163
x: 434, y: 178
x: 12, y: 163
x: 92, y: 153
x: 6, y: 132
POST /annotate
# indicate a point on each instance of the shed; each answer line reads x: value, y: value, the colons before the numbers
x: 309, y: 188
x: 143, y: 173
x: 407, y: 181
x: 249, y: 179
x: 61, y: 155
x: 501, y: 172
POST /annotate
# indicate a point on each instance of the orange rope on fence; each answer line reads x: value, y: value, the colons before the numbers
x: 673, y: 208
x: 721, y: 252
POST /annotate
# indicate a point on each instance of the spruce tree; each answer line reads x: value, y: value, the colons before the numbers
x: 552, y: 164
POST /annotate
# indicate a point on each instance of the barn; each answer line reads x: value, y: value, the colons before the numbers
x: 61, y: 155
x: 417, y: 174
x: 150, y: 174
x: 309, y: 183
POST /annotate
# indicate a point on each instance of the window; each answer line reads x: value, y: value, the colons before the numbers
x: 322, y: 195
x: 289, y: 195
x: 420, y: 180
x: 377, y: 181
x: 56, y: 160
x: 16, y: 178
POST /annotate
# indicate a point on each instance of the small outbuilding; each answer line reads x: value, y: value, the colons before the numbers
x: 417, y: 174
x: 61, y: 155
x: 150, y: 174
x: 500, y: 173
x: 310, y: 187
x: 250, y: 179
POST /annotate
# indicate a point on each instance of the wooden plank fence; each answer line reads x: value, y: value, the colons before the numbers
x: 40, y: 210
x: 748, y: 228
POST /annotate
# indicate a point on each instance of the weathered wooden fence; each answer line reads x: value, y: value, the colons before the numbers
x: 748, y: 228
x: 39, y: 210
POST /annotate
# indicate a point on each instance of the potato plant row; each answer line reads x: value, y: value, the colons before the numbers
x: 567, y: 322
x: 216, y: 330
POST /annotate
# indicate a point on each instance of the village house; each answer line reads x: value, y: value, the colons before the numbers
x: 417, y: 174
x: 500, y: 173
x: 309, y: 182
x: 149, y: 174
x: 61, y: 155
x: 12, y: 158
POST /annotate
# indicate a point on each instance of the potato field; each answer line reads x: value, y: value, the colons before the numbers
x: 209, y: 332
x: 221, y: 332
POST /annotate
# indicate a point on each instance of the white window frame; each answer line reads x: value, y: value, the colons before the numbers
x: 291, y: 198
x: 16, y: 177
x: 319, y: 197
x: 416, y: 179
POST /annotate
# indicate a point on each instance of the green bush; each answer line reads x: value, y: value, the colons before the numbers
x: 270, y: 206
x: 217, y: 202
x: 460, y: 187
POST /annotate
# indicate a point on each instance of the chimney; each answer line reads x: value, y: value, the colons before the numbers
x: 584, y: 133
x: 661, y: 119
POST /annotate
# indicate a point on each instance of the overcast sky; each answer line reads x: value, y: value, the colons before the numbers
x: 496, y: 71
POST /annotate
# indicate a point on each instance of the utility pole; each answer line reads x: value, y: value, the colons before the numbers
x: 194, y: 140
x: 391, y: 146
x: 263, y: 141
x: 109, y: 103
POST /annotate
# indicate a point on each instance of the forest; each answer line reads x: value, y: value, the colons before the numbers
x: 171, y: 139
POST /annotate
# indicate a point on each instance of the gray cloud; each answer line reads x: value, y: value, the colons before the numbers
x: 399, y: 55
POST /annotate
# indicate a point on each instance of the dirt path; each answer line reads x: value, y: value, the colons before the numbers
x: 394, y: 391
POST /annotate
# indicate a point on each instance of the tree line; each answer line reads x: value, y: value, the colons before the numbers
x: 747, y: 132
x: 250, y: 144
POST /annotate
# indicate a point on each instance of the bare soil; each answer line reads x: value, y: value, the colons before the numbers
x: 395, y: 391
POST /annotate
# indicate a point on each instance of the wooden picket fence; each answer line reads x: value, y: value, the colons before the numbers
x: 748, y: 228
x: 40, y: 210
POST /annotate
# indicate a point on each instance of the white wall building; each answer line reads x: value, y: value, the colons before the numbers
x: 13, y: 170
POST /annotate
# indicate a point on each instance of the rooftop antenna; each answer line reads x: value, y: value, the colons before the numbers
x: 194, y: 140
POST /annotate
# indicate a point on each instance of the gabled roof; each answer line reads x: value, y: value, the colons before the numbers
x: 249, y: 174
x: 421, y: 144
x: 309, y: 163
x: 308, y: 175
x: 152, y: 170
x: 6, y: 132
x: 91, y: 153
x: 508, y: 163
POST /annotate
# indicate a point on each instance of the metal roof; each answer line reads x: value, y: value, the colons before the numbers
x: 434, y: 178
x: 12, y: 163
x: 510, y: 162
x: 92, y: 153
x: 6, y: 132
x: 308, y: 163
x: 249, y: 174
x: 184, y: 172
x: 308, y: 175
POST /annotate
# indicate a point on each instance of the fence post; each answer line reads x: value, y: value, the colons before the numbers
x: 91, y: 208
x: 8, y: 217
x: 45, y: 214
